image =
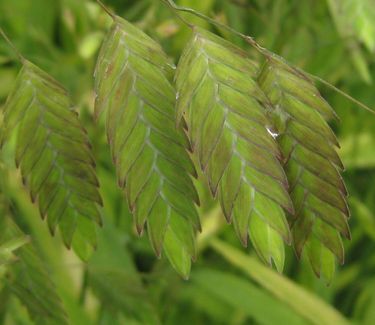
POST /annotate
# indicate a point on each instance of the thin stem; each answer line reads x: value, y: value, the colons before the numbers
x: 347, y: 96
x: 109, y: 12
x: 174, y: 8
x: 214, y: 22
x: 202, y: 16
x: 262, y: 50
x: 12, y: 46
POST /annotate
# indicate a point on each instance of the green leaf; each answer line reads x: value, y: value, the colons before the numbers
x: 122, y: 291
x: 355, y: 18
x: 304, y: 303
x: 28, y: 278
x: 132, y: 86
x: 311, y: 163
x: 354, y: 21
x: 9, y: 244
x: 54, y: 155
x: 227, y: 125
x: 8, y: 248
x: 243, y: 295
x: 114, y: 279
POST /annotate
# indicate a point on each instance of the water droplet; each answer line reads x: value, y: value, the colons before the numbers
x: 273, y: 133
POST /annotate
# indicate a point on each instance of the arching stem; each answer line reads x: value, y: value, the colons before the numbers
x: 171, y: 5
x: 109, y: 12
x: 342, y: 93
x: 12, y: 46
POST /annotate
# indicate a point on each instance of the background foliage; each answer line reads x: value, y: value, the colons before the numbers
x: 123, y: 281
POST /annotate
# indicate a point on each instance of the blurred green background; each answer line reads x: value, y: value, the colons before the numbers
x: 124, y: 283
